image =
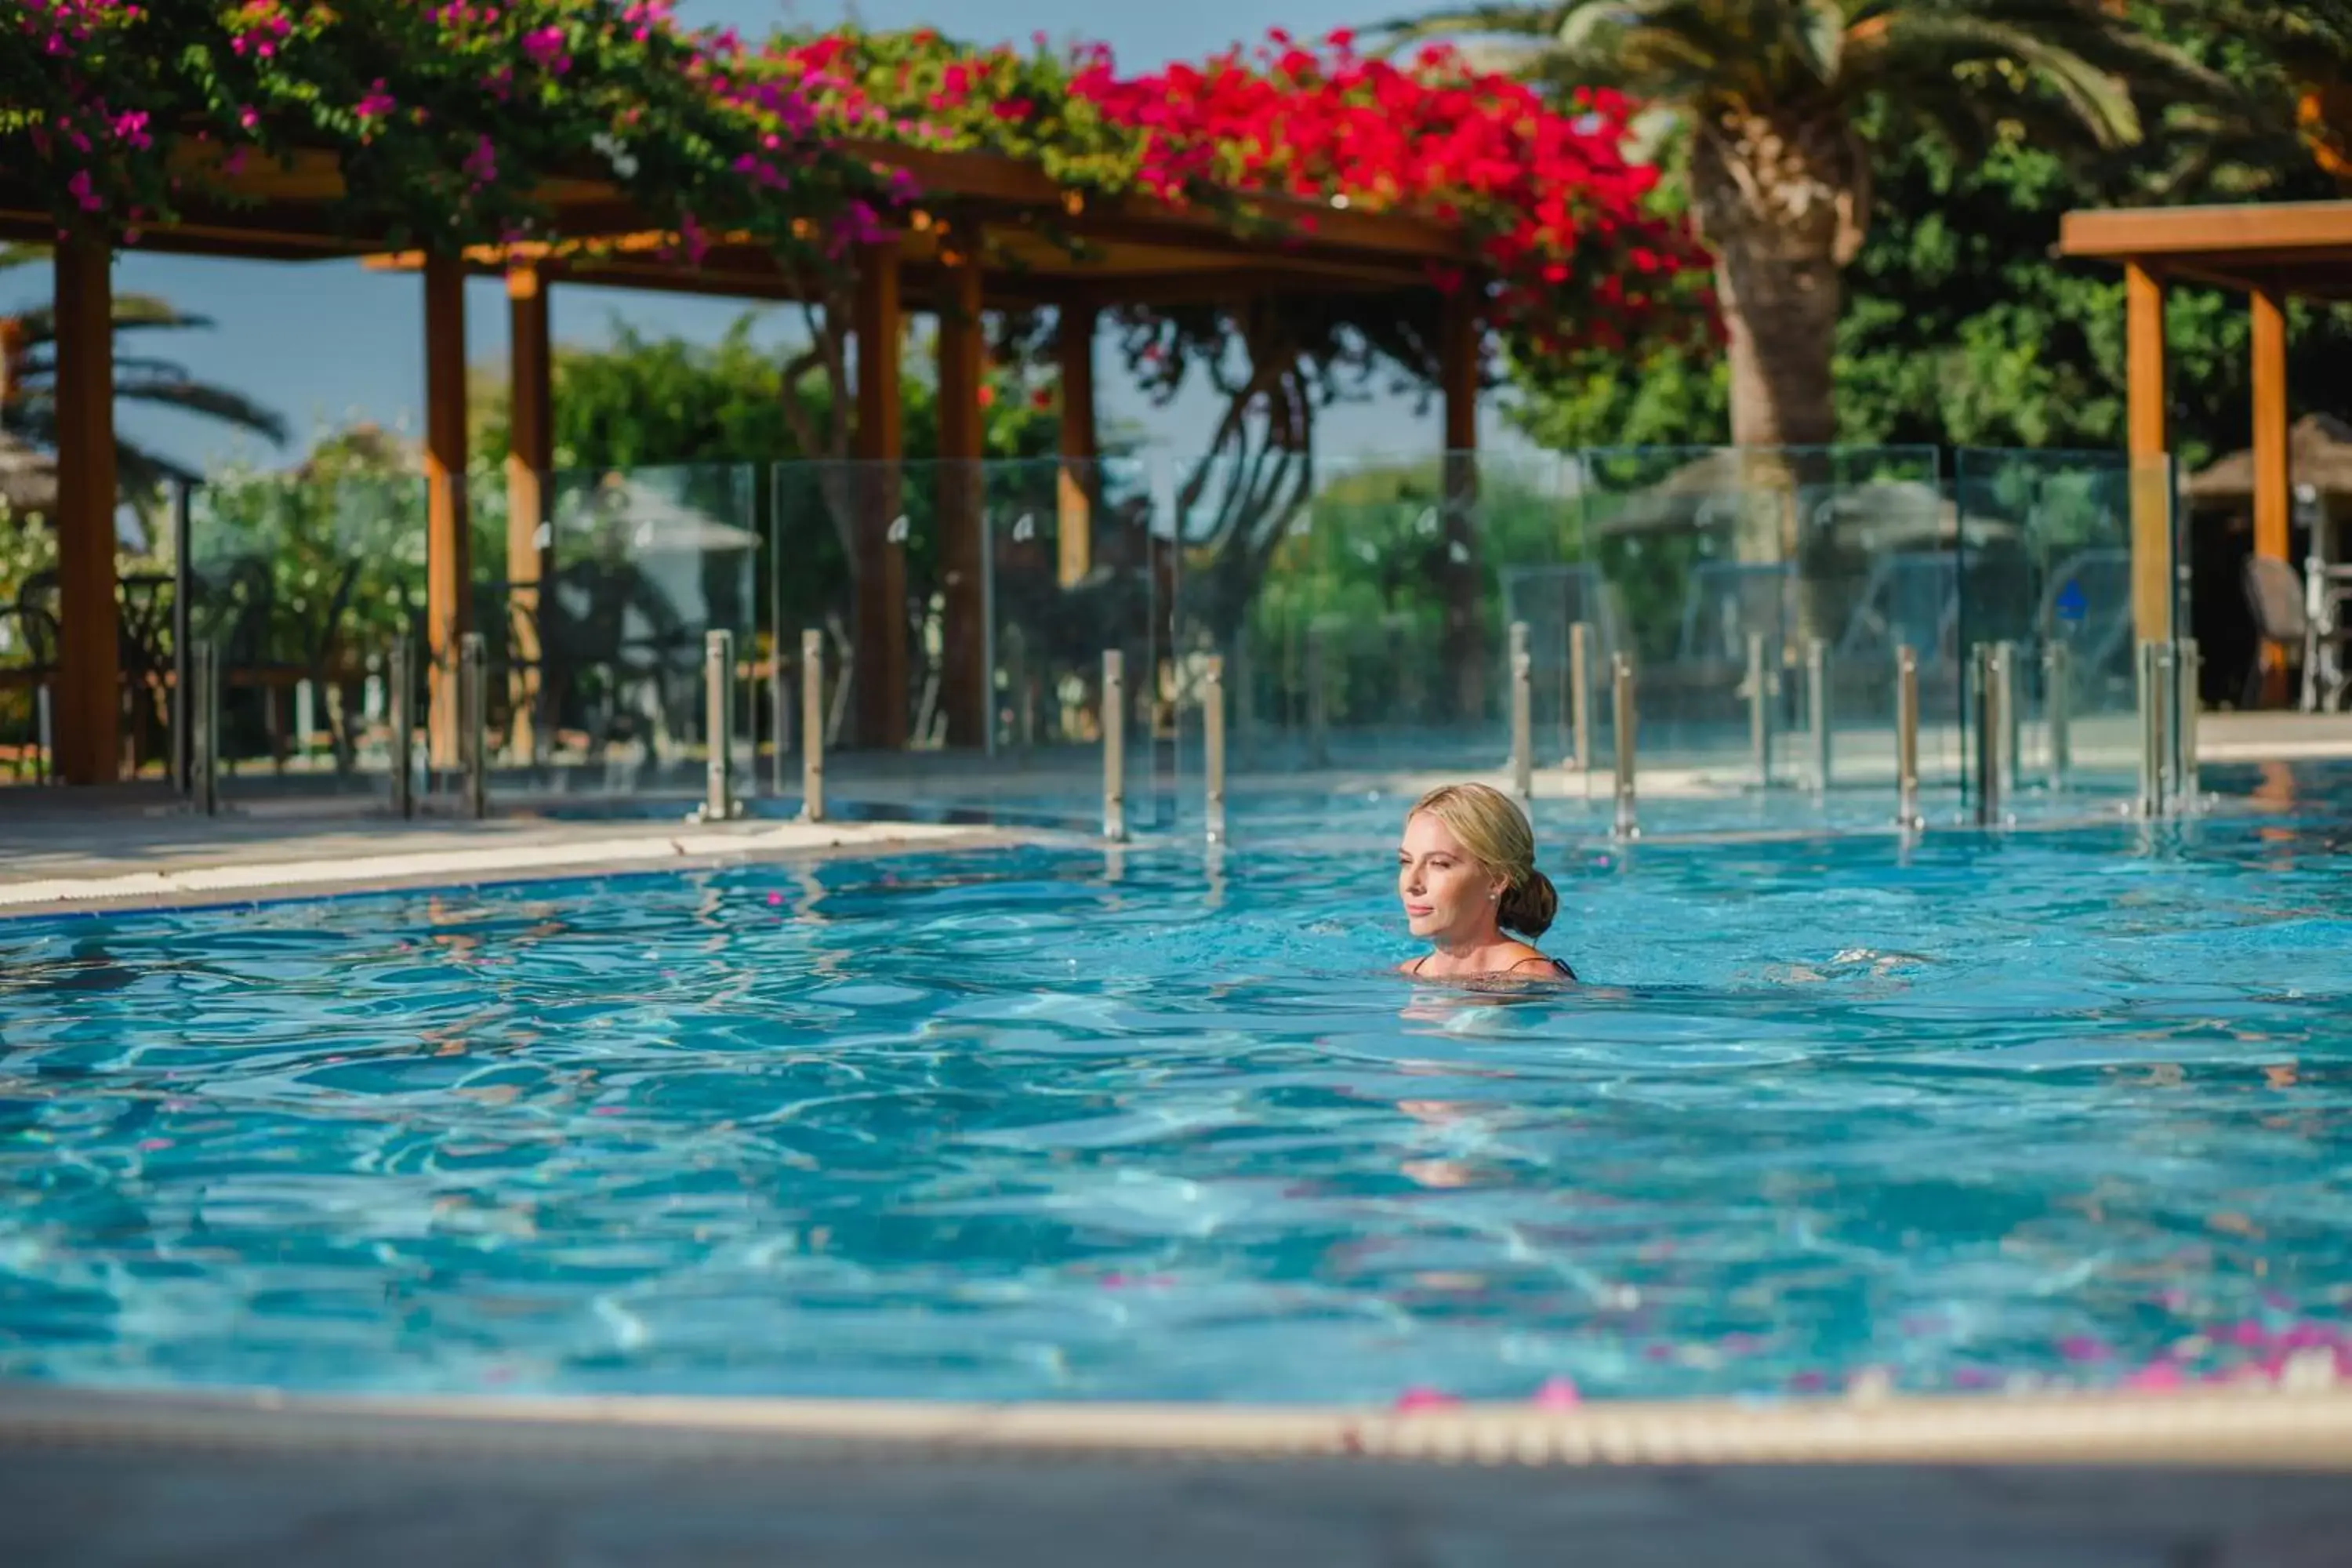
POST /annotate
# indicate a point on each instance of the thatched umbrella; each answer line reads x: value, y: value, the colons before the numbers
x: 1728, y: 485
x: 2319, y: 449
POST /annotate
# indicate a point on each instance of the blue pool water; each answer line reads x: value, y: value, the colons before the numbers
x: 1049, y: 1124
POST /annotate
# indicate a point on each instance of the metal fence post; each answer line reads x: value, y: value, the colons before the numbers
x: 1627, y: 720
x: 2013, y: 726
x: 1114, y: 741
x: 474, y: 723
x: 2150, y: 682
x: 1817, y: 709
x: 2058, y: 711
x: 718, y: 728
x: 1523, y: 716
x: 201, y: 672
x: 1906, y: 739
x: 1212, y: 742
x: 2188, y: 665
x: 44, y: 734
x: 1984, y: 666
x: 1579, y: 694
x: 1759, y: 718
x: 183, y: 751
x: 780, y: 709
x: 402, y: 677
x: 812, y: 725
x: 1319, y: 718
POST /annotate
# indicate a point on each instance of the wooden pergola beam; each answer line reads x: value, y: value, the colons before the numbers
x: 2216, y: 233
x: 878, y: 668
x: 963, y: 545
x: 448, y: 544
x: 88, y: 710
x: 2147, y: 443
x: 1080, y: 446
x: 531, y: 456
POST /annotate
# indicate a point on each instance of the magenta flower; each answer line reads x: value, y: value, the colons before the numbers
x: 481, y: 165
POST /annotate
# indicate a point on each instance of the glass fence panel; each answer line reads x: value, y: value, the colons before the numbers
x: 965, y: 609
x: 2048, y: 552
x: 1367, y: 615
x: 300, y: 581
x: 1745, y: 584
x: 1874, y: 572
x: 594, y: 592
x: 1365, y: 611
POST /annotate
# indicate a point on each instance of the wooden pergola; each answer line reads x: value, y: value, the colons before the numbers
x: 992, y: 232
x: 2269, y: 252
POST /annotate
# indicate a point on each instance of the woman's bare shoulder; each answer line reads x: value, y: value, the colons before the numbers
x: 1534, y: 963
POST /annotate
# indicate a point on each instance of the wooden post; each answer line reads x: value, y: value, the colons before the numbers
x: 964, y: 689
x: 448, y: 544
x: 2274, y: 465
x: 878, y: 672
x: 1081, y: 447
x: 2151, y: 488
x: 530, y: 454
x: 1461, y: 352
x: 88, y: 708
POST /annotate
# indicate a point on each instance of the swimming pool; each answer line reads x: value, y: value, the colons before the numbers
x: 1072, y: 1123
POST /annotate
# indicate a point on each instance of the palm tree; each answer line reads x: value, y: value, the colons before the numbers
x: 28, y: 381
x: 1766, y: 99
x: 2311, y: 43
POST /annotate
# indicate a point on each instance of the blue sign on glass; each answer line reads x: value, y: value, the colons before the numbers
x: 2072, y: 605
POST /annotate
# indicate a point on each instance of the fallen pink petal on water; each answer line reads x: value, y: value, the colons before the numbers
x: 775, y: 899
x: 148, y: 1145
x: 2246, y: 1333
x: 1658, y: 1353
x: 1742, y: 1344
x: 606, y: 1110
x: 1975, y: 1377
x: 2082, y: 1347
x: 1416, y: 1399
x: 1810, y: 1382
x: 1557, y: 1393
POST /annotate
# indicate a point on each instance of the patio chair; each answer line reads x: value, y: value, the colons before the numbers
x: 2282, y: 610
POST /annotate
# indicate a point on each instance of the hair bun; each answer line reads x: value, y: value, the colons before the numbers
x: 1530, y: 907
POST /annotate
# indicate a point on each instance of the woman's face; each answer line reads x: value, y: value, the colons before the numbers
x: 1446, y: 893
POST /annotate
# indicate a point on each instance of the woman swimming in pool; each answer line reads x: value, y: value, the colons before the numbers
x: 1466, y: 874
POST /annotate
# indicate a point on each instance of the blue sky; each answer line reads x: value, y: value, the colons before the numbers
x: 326, y: 343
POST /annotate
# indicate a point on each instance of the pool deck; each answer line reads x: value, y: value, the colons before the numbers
x: 2218, y: 1480
x: 126, y: 855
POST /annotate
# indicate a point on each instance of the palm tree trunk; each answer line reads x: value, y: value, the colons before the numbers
x: 1781, y: 313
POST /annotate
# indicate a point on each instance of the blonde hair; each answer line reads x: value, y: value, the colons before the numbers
x: 1497, y: 835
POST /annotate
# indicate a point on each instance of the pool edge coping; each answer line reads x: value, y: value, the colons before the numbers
x: 2269, y: 1427
x: 236, y: 883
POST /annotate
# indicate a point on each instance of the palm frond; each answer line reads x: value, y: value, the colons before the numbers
x: 1920, y: 45
x: 132, y: 312
x: 210, y: 402
x: 1465, y: 22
